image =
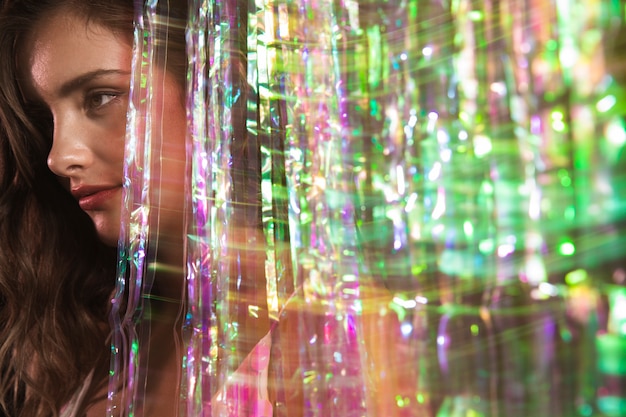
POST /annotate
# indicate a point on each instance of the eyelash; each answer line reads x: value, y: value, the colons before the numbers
x: 90, y: 100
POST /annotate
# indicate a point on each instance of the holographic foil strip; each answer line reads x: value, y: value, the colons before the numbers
x: 201, y: 331
x: 334, y: 64
x: 127, y: 301
x: 130, y: 315
x: 226, y: 279
x: 420, y: 203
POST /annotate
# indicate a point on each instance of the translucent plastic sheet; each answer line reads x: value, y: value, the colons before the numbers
x: 404, y: 208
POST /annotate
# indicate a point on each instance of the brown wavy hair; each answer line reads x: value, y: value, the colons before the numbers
x: 56, y: 277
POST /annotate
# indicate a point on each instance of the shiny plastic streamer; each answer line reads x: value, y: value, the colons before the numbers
x: 142, y: 234
x: 395, y: 208
x: 125, y: 392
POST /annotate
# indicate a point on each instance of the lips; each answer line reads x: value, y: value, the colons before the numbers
x: 92, y: 198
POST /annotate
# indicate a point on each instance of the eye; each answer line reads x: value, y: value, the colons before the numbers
x: 98, y: 100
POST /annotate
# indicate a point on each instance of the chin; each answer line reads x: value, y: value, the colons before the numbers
x: 108, y: 229
x: 108, y: 240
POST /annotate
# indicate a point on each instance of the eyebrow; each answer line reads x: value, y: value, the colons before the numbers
x: 75, y: 83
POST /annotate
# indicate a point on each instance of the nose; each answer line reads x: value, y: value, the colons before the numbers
x: 70, y: 153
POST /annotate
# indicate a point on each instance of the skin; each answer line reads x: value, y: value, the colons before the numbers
x: 81, y: 72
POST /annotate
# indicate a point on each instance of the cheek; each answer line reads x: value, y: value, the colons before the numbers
x: 173, y: 169
x: 169, y: 127
x: 172, y: 156
x: 114, y: 157
x: 175, y: 132
x: 110, y: 136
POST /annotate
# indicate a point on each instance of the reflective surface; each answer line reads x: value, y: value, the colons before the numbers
x: 410, y: 208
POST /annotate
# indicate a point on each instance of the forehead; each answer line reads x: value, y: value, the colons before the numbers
x: 65, y: 46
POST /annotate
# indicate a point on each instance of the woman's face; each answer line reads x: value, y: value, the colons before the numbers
x: 81, y: 71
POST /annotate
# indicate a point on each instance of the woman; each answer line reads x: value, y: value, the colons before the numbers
x: 64, y: 88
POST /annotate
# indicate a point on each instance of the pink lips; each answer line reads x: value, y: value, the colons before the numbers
x: 94, y: 197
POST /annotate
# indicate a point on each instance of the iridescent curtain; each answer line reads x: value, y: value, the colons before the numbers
x: 396, y: 208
